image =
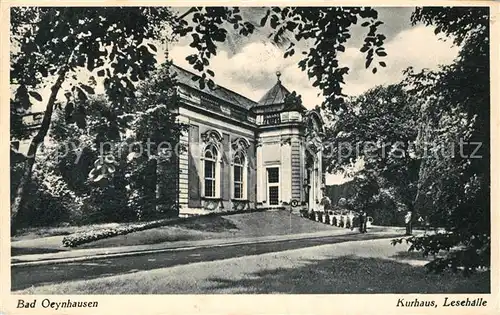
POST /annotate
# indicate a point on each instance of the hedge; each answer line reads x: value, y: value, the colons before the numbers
x: 76, y: 239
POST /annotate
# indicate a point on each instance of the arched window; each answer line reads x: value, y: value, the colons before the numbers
x: 239, y: 172
x: 210, y: 171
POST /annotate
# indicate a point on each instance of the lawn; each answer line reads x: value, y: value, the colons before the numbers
x: 372, y: 266
x: 38, y: 232
x: 41, y: 240
x: 254, y: 224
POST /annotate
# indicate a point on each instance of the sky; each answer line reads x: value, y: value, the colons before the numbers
x: 249, y: 65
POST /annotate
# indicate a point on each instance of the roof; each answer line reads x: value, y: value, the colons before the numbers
x: 276, y: 95
x: 186, y: 77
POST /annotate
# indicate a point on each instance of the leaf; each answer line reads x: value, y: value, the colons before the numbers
x: 100, y: 73
x: 111, y: 168
x: 368, y: 62
x: 87, y: 88
x: 35, y: 95
x: 291, y: 26
x: 263, y: 21
x: 92, y: 81
x: 374, y: 70
x: 191, y: 58
x: 81, y: 94
x: 109, y: 159
x: 211, y: 84
x: 365, y: 24
x: 274, y: 21
x: 210, y: 72
x: 382, y: 64
x: 153, y: 47
x: 98, y: 178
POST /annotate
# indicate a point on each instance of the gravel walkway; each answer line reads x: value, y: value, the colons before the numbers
x: 373, y: 266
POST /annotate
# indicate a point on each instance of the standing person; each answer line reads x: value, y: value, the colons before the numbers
x: 325, y: 201
x: 365, y: 218
x: 350, y: 217
x: 361, y: 222
x: 408, y: 222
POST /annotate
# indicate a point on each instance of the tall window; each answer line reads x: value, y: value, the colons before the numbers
x: 273, y: 182
x: 238, y: 175
x: 210, y: 167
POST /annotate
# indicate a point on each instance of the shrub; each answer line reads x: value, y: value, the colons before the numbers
x: 320, y: 216
x: 94, y: 235
x: 49, y: 202
x: 312, y: 215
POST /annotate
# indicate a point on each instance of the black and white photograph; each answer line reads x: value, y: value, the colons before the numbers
x: 329, y: 150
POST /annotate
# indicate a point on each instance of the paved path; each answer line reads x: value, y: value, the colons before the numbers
x: 64, y: 253
x: 35, y: 275
x: 367, y: 266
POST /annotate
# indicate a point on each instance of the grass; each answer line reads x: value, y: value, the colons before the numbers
x: 38, y: 232
x: 355, y: 267
x: 48, y: 231
x: 254, y: 224
x: 16, y: 251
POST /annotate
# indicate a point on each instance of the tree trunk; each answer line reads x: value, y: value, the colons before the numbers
x: 20, y: 198
x: 160, y: 177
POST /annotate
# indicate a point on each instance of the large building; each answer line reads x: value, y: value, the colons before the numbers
x: 243, y: 154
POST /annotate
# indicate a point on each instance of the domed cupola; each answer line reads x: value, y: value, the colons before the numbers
x: 278, y: 105
x: 276, y: 95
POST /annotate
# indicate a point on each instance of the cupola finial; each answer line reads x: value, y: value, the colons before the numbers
x: 278, y: 74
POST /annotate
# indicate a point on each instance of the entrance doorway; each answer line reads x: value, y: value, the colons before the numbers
x: 273, y: 186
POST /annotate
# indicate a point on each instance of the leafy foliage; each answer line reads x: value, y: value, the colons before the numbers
x: 379, y: 128
x: 57, y: 46
x: 108, y: 42
x: 103, y: 170
x: 456, y: 191
x: 50, y: 201
x: 444, y: 174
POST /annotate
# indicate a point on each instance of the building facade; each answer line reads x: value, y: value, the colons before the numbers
x: 243, y: 155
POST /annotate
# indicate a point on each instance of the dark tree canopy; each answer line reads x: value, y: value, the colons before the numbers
x: 456, y: 191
